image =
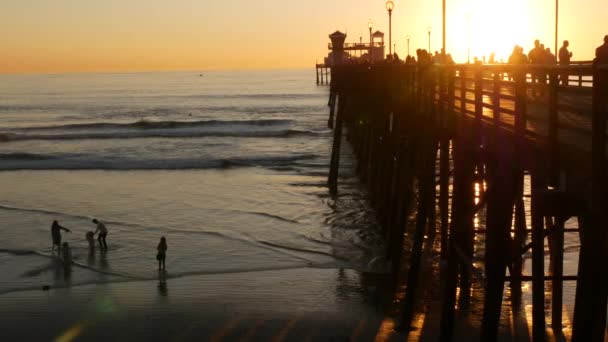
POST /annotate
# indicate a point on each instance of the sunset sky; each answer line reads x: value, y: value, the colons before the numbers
x: 140, y: 35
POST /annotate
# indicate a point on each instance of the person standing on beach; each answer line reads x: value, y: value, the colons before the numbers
x: 162, y: 250
x: 56, y: 234
x: 103, y: 232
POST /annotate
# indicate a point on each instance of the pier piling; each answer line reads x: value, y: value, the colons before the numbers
x: 416, y: 128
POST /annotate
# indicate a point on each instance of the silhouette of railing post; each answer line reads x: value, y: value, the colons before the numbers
x: 592, y: 286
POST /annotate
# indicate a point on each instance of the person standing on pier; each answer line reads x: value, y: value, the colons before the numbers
x: 535, y: 56
x: 103, y: 232
x: 601, y: 53
x: 564, y: 60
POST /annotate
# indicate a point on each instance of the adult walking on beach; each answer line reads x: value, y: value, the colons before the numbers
x: 56, y: 234
x: 564, y: 60
x: 103, y: 232
x: 162, y: 252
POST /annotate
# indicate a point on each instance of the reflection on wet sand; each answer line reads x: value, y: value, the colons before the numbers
x: 163, y: 291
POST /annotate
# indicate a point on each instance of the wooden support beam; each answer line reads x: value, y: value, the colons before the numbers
x: 538, y: 261
x: 557, y: 272
x: 499, y: 214
x: 332, y: 107
x: 332, y: 181
x: 592, y: 287
x: 461, y: 228
x: 416, y: 253
x: 519, y: 239
x: 447, y: 110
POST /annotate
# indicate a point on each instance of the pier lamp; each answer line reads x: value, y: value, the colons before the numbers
x: 428, y: 29
x: 389, y: 7
x: 408, y: 44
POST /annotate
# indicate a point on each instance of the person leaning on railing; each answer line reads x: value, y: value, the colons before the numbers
x: 564, y: 59
x: 601, y: 53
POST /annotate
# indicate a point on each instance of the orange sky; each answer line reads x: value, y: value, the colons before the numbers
x: 139, y: 35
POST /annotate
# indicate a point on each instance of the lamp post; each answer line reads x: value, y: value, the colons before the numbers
x: 408, y: 44
x: 429, y: 31
x: 556, y: 21
x: 370, y: 25
x: 389, y: 7
x: 443, y: 27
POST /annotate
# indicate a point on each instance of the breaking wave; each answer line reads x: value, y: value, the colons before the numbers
x: 51, y: 162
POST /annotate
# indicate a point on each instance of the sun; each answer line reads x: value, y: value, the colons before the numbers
x: 480, y: 27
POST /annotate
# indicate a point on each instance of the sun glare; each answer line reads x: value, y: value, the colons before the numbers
x: 484, y: 26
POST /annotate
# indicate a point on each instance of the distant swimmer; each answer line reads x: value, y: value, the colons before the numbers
x: 103, y: 232
x: 56, y: 234
x: 162, y: 253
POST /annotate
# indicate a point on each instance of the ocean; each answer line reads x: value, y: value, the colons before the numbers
x: 229, y: 166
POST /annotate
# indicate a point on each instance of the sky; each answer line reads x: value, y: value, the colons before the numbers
x: 145, y: 35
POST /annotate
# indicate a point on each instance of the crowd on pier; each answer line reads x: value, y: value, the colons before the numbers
x: 538, y: 55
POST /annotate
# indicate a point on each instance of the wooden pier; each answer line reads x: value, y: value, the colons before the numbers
x: 450, y: 141
x: 323, y: 74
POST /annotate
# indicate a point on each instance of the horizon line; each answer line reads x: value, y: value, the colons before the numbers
x: 135, y: 71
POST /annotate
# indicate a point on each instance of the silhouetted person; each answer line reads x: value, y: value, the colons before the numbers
x: 549, y: 57
x: 436, y: 59
x: 491, y: 59
x: 449, y: 59
x: 56, y: 234
x: 162, y: 252
x: 518, y: 57
x: 103, y: 232
x: 535, y: 57
x: 601, y: 53
x: 564, y: 59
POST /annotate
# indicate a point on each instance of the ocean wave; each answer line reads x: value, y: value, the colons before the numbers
x: 146, y: 124
x: 288, y: 133
x: 42, y: 162
x: 282, y: 96
x: 24, y: 156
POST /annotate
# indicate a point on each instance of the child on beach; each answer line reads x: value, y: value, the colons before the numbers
x: 103, y: 232
x: 162, y: 249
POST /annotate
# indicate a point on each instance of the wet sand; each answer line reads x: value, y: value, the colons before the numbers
x: 292, y: 305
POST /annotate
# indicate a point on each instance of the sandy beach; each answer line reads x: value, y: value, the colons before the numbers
x: 293, y: 305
